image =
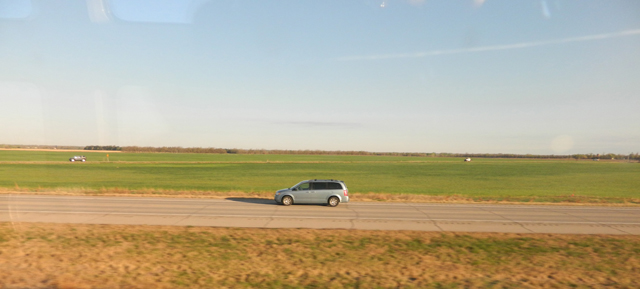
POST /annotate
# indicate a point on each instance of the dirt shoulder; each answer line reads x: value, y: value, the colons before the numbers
x: 116, y: 256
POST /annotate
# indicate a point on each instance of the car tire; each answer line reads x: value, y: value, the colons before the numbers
x: 72, y: 160
x: 333, y: 201
x: 287, y: 200
x: 84, y: 160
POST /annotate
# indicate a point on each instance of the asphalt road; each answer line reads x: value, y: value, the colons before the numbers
x: 260, y: 213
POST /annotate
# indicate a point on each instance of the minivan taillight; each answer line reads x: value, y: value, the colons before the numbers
x: 346, y: 192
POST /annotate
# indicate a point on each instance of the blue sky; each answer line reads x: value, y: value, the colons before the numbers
x: 540, y: 77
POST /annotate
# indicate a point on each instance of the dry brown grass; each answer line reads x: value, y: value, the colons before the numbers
x: 114, y: 256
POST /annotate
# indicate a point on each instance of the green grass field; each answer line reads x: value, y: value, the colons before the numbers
x: 481, y: 178
x: 63, y: 157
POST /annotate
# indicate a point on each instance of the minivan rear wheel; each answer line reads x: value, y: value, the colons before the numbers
x: 334, y: 201
x: 287, y: 200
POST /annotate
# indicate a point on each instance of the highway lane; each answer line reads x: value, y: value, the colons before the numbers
x: 259, y: 213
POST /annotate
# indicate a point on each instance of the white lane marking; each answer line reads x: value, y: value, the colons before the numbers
x: 332, y: 218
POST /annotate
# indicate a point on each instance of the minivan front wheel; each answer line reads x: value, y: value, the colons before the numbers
x: 287, y: 200
x: 334, y: 201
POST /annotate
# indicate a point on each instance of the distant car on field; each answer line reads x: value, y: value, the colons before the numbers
x: 467, y: 159
x: 78, y: 158
x: 330, y: 192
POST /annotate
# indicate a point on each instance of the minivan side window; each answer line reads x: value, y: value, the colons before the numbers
x: 303, y: 187
x: 319, y: 186
x: 335, y: 186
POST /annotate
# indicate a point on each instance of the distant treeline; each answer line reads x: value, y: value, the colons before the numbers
x: 635, y: 156
x: 609, y: 156
x: 52, y: 147
x: 103, y: 148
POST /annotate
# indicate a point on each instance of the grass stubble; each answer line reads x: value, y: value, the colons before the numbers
x: 39, y: 255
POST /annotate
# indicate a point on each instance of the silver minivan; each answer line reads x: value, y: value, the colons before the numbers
x: 330, y: 192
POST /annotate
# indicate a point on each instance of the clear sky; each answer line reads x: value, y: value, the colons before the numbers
x: 492, y: 76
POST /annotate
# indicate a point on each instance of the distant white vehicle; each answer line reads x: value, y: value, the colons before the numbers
x: 467, y: 159
x: 78, y: 158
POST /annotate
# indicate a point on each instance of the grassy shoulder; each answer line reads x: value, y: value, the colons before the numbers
x: 88, y: 256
